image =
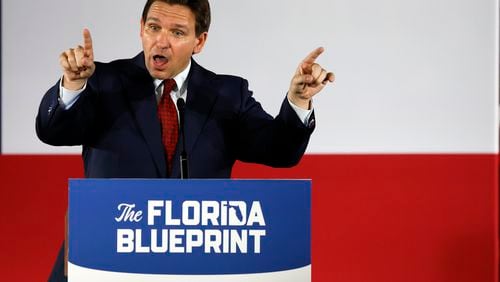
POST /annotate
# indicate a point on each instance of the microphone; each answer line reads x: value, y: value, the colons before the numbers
x: 183, y: 158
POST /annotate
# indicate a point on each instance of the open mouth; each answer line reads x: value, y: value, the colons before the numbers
x: 159, y: 60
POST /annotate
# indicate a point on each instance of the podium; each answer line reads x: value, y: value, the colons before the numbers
x: 189, y: 230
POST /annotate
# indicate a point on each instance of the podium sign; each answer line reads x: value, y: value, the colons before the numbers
x: 189, y: 230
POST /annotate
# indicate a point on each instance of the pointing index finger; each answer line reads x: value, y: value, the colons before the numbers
x: 87, y: 43
x: 311, y: 58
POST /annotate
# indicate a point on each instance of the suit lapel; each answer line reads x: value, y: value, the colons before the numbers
x: 140, y: 92
x: 201, y: 97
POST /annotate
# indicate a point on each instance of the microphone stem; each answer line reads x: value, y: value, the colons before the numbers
x: 183, y: 156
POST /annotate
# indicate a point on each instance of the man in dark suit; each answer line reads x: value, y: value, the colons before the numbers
x: 112, y: 110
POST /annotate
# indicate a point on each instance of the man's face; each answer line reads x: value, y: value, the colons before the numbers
x: 169, y: 39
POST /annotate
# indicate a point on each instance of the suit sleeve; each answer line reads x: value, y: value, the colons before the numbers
x: 277, y: 142
x: 60, y: 127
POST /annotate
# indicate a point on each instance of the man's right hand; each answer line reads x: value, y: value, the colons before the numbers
x: 78, y: 63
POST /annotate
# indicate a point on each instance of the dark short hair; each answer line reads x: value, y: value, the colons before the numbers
x: 200, y: 9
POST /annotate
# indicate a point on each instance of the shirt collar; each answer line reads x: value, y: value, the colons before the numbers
x: 180, y: 79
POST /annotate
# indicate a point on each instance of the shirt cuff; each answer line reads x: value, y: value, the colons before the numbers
x: 67, y: 98
x: 303, y: 115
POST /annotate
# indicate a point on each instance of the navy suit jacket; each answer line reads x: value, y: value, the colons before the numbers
x: 115, y: 119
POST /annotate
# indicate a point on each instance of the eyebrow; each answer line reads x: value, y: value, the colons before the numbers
x: 175, y: 25
x: 180, y: 26
x: 152, y: 19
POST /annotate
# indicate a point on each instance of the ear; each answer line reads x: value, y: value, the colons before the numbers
x: 200, y: 42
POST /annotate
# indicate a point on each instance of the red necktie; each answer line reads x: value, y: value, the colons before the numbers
x: 167, y: 114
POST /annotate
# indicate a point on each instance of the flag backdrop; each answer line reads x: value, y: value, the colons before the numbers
x: 404, y: 160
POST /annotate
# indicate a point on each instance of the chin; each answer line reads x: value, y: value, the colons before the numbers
x: 159, y: 74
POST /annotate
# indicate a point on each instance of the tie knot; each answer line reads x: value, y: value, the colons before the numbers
x: 168, y: 86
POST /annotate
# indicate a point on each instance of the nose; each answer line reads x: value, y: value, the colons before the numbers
x: 162, y: 40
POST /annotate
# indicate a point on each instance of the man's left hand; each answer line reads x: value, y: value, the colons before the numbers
x: 309, y: 79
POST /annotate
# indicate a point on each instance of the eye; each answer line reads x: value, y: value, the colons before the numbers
x: 153, y: 28
x: 178, y: 33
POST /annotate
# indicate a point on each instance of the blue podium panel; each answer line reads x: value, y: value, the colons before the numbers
x: 185, y: 230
